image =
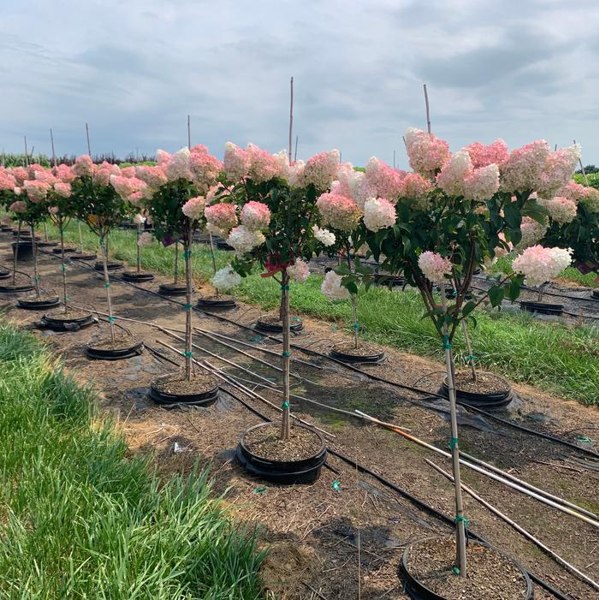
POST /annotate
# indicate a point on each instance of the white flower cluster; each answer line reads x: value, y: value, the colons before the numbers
x: 226, y: 278
x: 244, y: 240
x: 331, y: 287
x: 299, y: 270
x: 324, y: 236
x: 540, y: 264
x: 379, y: 213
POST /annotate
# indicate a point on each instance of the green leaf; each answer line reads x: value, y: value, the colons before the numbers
x: 468, y: 308
x: 496, y: 295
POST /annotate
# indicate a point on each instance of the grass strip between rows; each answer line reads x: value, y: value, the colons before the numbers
x: 79, y: 519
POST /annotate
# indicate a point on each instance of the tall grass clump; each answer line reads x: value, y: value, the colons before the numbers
x: 78, y: 519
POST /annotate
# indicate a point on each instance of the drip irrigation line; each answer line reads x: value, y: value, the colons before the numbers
x: 371, y: 376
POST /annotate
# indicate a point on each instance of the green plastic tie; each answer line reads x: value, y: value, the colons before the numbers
x: 187, y: 254
x: 285, y: 405
x: 462, y: 519
x: 111, y: 319
x: 446, y: 342
x: 453, y: 443
x: 585, y: 439
x: 356, y: 326
x: 470, y: 358
x: 106, y: 285
x: 63, y: 268
x: 188, y: 353
x: 285, y: 287
x: 260, y: 490
x: 336, y: 485
x: 286, y: 354
x: 187, y: 307
x: 455, y: 570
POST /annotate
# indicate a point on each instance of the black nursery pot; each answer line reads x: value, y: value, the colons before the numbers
x: 48, y: 321
x: 373, y: 358
x: 114, y: 354
x: 112, y: 265
x: 47, y: 244
x: 492, y: 400
x: 4, y: 274
x: 23, y: 250
x: 67, y: 250
x: 306, y: 470
x: 83, y: 256
x: 170, y: 400
x: 38, y: 303
x: 595, y: 295
x: 137, y: 277
x: 19, y: 288
x: 542, y: 308
x: 266, y: 327
x: 173, y: 289
x: 216, y: 303
x: 418, y: 591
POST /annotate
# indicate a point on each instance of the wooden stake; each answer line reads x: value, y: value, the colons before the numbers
x: 428, y: 114
x: 295, y: 153
x: 26, y: 151
x: 188, y: 311
x: 52, y: 144
x: 290, y: 117
x: 284, y: 315
x: 89, y: 149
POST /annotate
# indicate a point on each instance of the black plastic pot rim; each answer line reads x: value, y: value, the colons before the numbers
x: 47, y: 322
x: 117, y: 354
x: 137, y: 276
x: 38, y: 304
x: 541, y: 307
x: 272, y: 328
x: 216, y: 303
x: 357, y: 359
x: 83, y: 256
x: 595, y: 294
x: 174, y: 400
x: 17, y: 289
x: 418, y: 591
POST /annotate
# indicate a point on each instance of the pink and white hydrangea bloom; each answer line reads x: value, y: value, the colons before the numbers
x: 62, y: 189
x: 379, y: 213
x: 205, y: 168
x: 338, y: 211
x: 558, y: 170
x: 7, y: 180
x: 225, y: 279
x: 482, y: 183
x: 244, y: 240
x: 102, y: 173
x: 352, y: 184
x: 299, y: 270
x: 434, y: 266
x: 139, y: 219
x: 64, y: 173
x: 532, y: 231
x: 221, y: 216
x: 523, y: 168
x: 324, y: 236
x: 145, y: 239
x: 427, y: 153
x: 178, y: 166
x: 236, y: 162
x: 194, y: 208
x: 255, y: 215
x: 18, y: 206
x: 452, y: 175
x: 20, y: 174
x: 263, y: 165
x: 320, y: 170
x: 154, y: 177
x: 384, y: 179
x: 331, y: 287
x: 561, y: 209
x: 482, y: 156
x: 540, y: 265
x: 36, y: 190
x: 84, y: 166
x: 126, y: 187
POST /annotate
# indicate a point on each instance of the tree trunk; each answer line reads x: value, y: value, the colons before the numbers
x: 63, y: 267
x: 284, y: 313
x: 213, y: 259
x: 188, y: 284
x: 104, y: 244
x: 471, y: 359
x: 138, y: 253
x: 15, y: 254
x: 176, y: 280
x: 36, y: 279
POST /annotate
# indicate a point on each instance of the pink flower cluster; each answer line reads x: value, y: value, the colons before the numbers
x: 236, y: 162
x: 558, y: 170
x: 352, y: 184
x: 62, y: 189
x: 299, y: 270
x: 434, y: 266
x: 427, y: 154
x: 263, y: 166
x: 482, y: 156
x: 37, y: 191
x: 128, y: 188
x: 221, y: 216
x: 194, y: 208
x: 416, y: 188
x: 18, y: 206
x: 480, y: 184
x: 324, y: 236
x: 459, y: 178
x: 64, y: 173
x: 7, y: 180
x: 84, y: 166
x: 244, y: 240
x: 320, y: 170
x: 255, y: 215
x: 561, y: 209
x: 154, y: 177
x: 540, y: 264
x: 205, y: 168
x: 379, y: 213
x: 383, y: 179
x: 338, y: 211
x: 532, y: 231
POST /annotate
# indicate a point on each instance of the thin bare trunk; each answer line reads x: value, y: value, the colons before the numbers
x: 354, y: 302
x: 455, y: 450
x: 63, y: 267
x: 80, y: 237
x: 104, y: 244
x: 188, y: 283
x: 137, y: 249
x: 284, y: 313
x: 176, y: 281
x: 471, y: 360
x: 36, y: 279
x: 15, y: 254
x: 213, y: 256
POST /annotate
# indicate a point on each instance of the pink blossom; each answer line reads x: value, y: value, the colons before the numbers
x: 64, y: 173
x: 296, y: 173
x: 18, y: 207
x: 163, y: 158
x: 427, y: 153
x: 386, y: 180
x: 128, y: 188
x: 320, y: 170
x: 62, y: 189
x: 154, y: 177
x: 416, y: 187
x: 532, y: 231
x: 7, y: 180
x: 36, y: 190
x: 236, y: 162
x: 558, y: 170
x: 84, y: 166
x: 222, y: 216
x: 574, y: 191
x: 44, y: 175
x: 205, y: 168
x: 379, y: 213
x: 103, y: 172
x: 522, y: 170
x: 53, y: 210
x: 20, y: 174
x: 128, y: 172
x: 244, y: 240
x: 452, y: 175
x: 591, y: 200
x: 299, y: 270
x: 255, y: 215
x: 540, y: 264
x: 482, y: 183
x: 331, y: 287
x: 178, y: 166
x: 324, y: 236
x: 482, y: 156
x: 194, y: 208
x: 434, y: 266
x: 263, y: 166
x: 338, y: 211
x: 139, y: 219
x: 353, y: 184
x: 561, y: 210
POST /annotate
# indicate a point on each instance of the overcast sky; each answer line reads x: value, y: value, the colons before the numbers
x: 134, y: 69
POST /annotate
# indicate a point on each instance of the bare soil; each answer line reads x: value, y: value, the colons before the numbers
x: 347, y: 531
x: 266, y: 442
x: 69, y: 315
x: 363, y: 349
x: 176, y: 384
x: 486, y: 383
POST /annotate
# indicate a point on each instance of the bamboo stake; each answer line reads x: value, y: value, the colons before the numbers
x: 471, y: 361
x: 26, y: 151
x: 286, y: 353
x: 104, y: 245
x: 15, y: 254
x: 188, y: 311
x: 89, y: 148
x: 137, y: 248
x: 63, y: 266
x: 290, y: 117
x: 586, y: 179
x: 295, y: 153
x: 518, y: 528
x: 482, y: 471
x: 52, y: 144
x: 36, y: 279
x: 428, y: 114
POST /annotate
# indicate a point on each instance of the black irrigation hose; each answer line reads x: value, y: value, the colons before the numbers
x: 373, y: 377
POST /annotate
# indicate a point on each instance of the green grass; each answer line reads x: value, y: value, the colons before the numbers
x: 560, y: 358
x: 78, y: 519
